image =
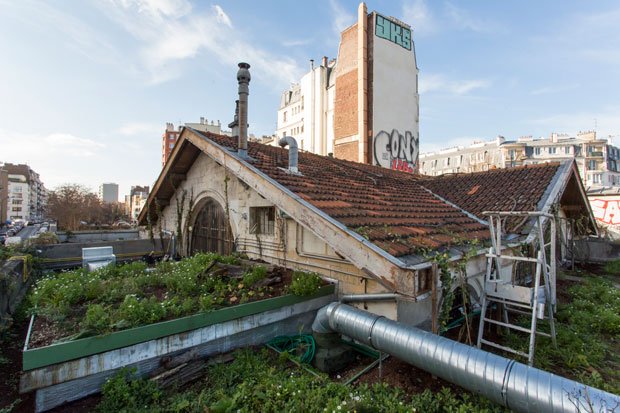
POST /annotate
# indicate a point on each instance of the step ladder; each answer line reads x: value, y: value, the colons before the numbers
x: 502, y: 289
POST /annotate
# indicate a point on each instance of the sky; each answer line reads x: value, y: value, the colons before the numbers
x: 87, y: 86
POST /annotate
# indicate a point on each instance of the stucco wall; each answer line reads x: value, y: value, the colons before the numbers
x: 395, y: 96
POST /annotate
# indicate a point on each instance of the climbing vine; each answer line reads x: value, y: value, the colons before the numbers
x: 448, y: 273
x: 188, y: 217
x: 159, y: 214
x: 180, y: 207
x: 149, y: 225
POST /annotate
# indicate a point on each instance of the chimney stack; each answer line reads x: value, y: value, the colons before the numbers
x: 243, y: 77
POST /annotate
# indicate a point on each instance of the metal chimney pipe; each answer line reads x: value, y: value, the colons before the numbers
x: 519, y: 387
x: 292, y: 152
x: 243, y: 77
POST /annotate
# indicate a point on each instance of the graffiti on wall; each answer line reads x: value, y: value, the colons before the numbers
x: 396, y: 151
x: 389, y: 30
x: 607, y: 211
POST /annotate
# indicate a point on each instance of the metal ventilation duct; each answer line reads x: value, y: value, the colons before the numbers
x: 519, y: 387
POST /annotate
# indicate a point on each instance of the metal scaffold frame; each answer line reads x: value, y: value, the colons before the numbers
x: 507, y: 292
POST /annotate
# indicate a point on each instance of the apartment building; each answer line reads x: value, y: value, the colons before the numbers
x: 25, y: 196
x: 364, y: 105
x: 597, y: 159
x: 170, y: 135
x: 108, y: 192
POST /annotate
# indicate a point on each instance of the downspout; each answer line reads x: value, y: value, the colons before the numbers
x: 518, y: 387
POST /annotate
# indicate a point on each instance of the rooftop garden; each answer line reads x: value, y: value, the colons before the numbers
x: 77, y: 304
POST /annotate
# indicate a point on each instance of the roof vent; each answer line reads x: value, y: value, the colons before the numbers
x: 292, y: 153
x: 243, y: 77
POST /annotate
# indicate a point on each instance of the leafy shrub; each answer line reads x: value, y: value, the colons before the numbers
x: 613, y: 267
x: 125, y: 392
x: 97, y: 318
x: 305, y: 283
x: 258, y: 273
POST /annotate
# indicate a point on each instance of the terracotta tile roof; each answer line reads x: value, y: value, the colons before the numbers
x: 389, y: 208
x: 512, y: 189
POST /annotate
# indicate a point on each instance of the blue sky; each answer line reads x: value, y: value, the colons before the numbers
x: 86, y: 87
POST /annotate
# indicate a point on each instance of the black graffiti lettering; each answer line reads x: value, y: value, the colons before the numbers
x: 395, y: 146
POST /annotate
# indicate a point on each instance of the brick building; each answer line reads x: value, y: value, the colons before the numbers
x: 364, y: 106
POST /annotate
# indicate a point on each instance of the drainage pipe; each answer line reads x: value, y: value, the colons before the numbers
x: 356, y: 298
x: 506, y: 382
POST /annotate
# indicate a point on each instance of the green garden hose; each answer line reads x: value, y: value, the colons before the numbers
x: 296, y: 345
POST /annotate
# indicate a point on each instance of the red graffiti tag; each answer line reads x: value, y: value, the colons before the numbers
x: 400, y: 165
x: 606, y: 211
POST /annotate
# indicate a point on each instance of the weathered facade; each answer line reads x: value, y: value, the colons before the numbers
x: 371, y: 229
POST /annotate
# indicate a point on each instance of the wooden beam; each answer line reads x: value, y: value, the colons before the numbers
x: 384, y: 268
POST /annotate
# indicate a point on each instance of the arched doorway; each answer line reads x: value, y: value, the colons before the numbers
x: 211, y: 231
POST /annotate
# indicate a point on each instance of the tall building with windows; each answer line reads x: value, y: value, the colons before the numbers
x: 108, y: 192
x: 135, y: 201
x: 26, y: 196
x: 363, y: 106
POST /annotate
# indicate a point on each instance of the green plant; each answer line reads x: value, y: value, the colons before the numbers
x: 126, y: 392
x: 305, y: 283
x: 97, y: 319
x: 255, y: 275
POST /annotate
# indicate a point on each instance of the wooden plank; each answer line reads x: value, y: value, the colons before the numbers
x: 56, y: 395
x: 57, y: 353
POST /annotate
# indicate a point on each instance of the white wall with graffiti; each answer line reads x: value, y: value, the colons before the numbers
x: 606, y: 210
x: 395, y: 99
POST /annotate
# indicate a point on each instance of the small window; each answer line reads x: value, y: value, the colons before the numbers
x: 537, y: 151
x: 567, y: 149
x: 425, y: 278
x: 262, y: 220
x: 284, y: 117
x: 552, y: 150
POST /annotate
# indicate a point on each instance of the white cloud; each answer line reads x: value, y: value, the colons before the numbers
x: 440, y: 83
x: 171, y: 32
x: 418, y: 15
x: 607, y: 122
x: 140, y: 128
x: 222, y: 17
x: 341, y: 17
x: 465, y: 21
x: 547, y: 90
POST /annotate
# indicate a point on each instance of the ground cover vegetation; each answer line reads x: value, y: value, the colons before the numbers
x: 77, y: 303
x: 260, y: 381
x: 588, y: 335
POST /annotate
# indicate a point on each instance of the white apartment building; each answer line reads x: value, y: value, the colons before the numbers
x: 26, y: 194
x: 597, y: 159
x: 307, y: 110
x: 480, y: 156
x: 364, y: 105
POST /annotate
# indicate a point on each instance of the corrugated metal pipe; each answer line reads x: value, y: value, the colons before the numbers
x: 292, y: 152
x: 506, y: 382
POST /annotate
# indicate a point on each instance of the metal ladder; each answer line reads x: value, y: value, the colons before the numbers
x: 502, y: 289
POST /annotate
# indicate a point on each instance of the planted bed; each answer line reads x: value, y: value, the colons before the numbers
x: 88, y: 325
